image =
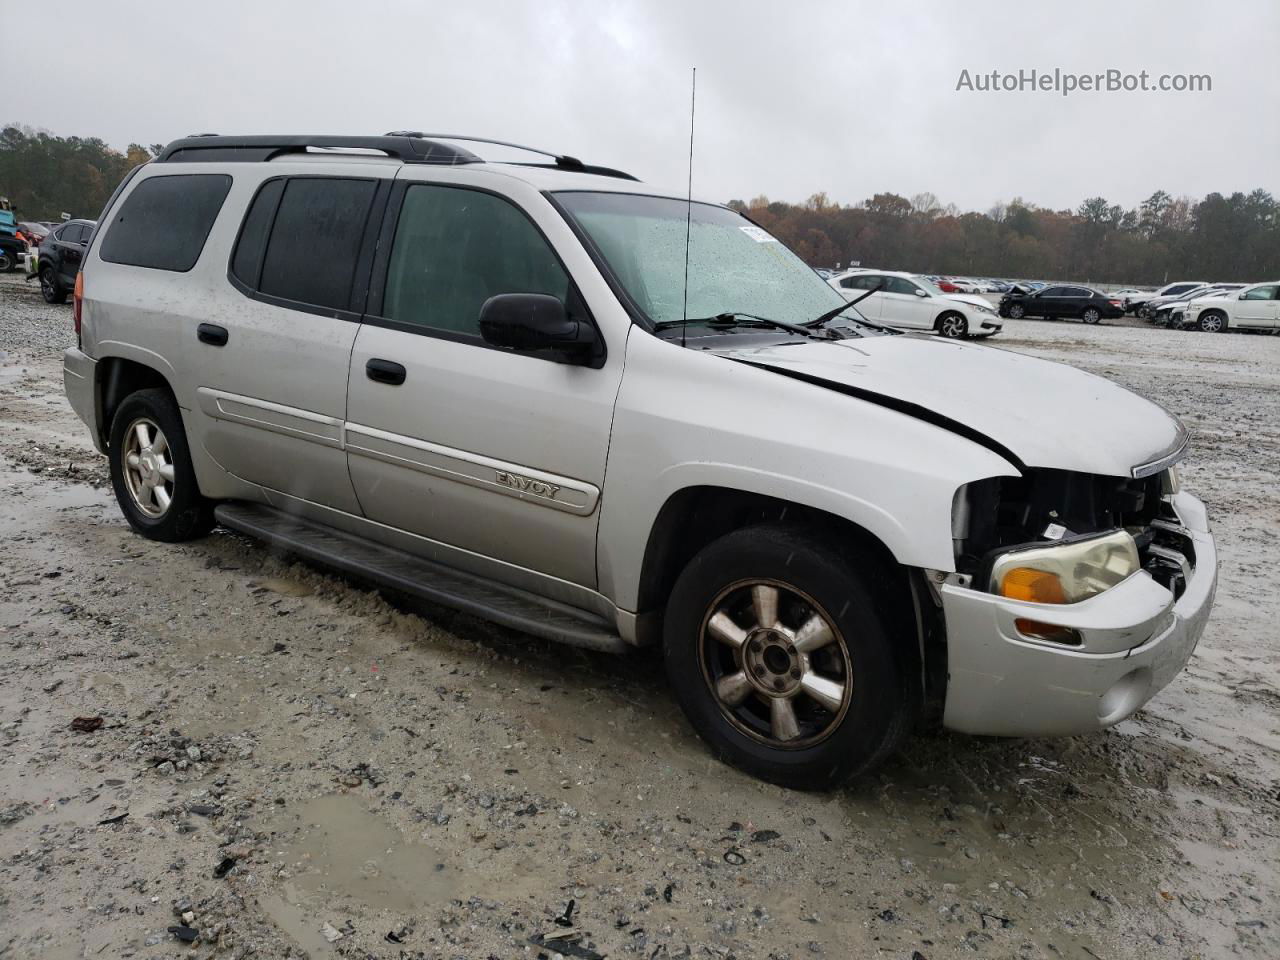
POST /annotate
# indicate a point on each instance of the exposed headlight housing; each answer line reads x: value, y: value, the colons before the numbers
x: 1171, y: 481
x: 1065, y: 572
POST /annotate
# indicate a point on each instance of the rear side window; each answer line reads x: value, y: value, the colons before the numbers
x: 246, y: 264
x: 313, y: 242
x: 164, y: 223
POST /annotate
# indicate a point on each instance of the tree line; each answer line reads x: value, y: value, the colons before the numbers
x: 45, y: 176
x: 1218, y: 238
x: 1235, y: 237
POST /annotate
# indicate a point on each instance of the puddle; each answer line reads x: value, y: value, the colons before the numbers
x: 286, y: 588
x: 337, y: 851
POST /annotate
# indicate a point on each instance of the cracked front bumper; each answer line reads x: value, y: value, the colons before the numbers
x: 1137, y: 638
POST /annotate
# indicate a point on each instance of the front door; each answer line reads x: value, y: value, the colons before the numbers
x: 905, y: 307
x: 496, y: 457
x: 1257, y: 307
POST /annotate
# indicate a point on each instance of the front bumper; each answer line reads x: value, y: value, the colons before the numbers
x: 79, y: 381
x: 1137, y: 638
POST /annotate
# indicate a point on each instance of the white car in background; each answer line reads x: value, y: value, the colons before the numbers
x: 1256, y: 307
x: 965, y: 285
x: 908, y: 301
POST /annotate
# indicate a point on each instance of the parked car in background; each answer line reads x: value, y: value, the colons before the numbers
x: 35, y: 231
x: 1255, y: 307
x: 1127, y: 294
x: 1060, y: 301
x: 1149, y: 308
x: 945, y: 285
x: 12, y: 245
x: 912, y: 302
x: 1173, y: 314
x: 61, y: 255
x: 965, y: 285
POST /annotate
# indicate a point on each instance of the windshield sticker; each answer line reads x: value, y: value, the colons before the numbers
x: 758, y: 235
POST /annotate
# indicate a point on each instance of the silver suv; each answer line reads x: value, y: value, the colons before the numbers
x: 591, y: 410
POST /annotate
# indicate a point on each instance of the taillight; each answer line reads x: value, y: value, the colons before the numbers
x: 77, y: 302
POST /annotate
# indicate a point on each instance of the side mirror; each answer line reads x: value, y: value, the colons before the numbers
x: 920, y: 293
x: 534, y: 321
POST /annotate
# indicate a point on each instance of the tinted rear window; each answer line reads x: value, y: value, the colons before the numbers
x: 315, y: 240
x: 165, y: 221
x: 246, y: 265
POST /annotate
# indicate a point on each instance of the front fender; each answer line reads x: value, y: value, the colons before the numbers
x: 687, y: 418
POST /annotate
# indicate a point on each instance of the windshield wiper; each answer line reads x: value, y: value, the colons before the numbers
x: 730, y: 319
x: 832, y: 314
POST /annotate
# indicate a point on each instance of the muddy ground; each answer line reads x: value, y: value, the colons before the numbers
x: 287, y: 757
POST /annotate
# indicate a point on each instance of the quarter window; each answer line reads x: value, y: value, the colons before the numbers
x: 456, y: 248
x: 164, y: 223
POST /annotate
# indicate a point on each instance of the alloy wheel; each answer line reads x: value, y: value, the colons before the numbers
x: 775, y: 663
x: 1092, y: 315
x: 1211, y: 323
x: 953, y: 325
x: 1017, y: 312
x: 148, y: 467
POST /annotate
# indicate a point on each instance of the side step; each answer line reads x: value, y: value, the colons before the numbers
x: 388, y: 567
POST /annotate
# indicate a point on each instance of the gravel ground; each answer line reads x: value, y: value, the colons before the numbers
x: 290, y: 764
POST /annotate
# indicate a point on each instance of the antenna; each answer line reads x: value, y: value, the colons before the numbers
x: 688, y: 209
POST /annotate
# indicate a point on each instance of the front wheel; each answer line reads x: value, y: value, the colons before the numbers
x: 7, y: 261
x: 778, y: 653
x: 1091, y: 315
x: 151, y: 470
x: 1212, y: 322
x: 1017, y: 311
x: 953, y: 326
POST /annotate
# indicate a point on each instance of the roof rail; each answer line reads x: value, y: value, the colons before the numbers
x: 562, y: 161
x: 409, y: 149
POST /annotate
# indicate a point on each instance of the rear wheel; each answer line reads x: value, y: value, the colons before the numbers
x: 1212, y: 322
x: 1091, y: 315
x: 953, y: 326
x: 50, y: 288
x: 151, y: 470
x: 779, y: 655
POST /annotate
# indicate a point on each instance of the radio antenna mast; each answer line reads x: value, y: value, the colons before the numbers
x: 688, y: 210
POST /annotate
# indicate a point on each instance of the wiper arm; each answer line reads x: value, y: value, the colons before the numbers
x: 832, y: 314
x: 730, y: 319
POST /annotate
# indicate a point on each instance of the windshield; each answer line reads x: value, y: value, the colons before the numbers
x: 734, y: 266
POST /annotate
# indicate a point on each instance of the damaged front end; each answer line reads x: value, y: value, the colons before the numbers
x: 995, y: 520
x: 1075, y: 598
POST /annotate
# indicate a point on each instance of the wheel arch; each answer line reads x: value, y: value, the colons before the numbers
x: 117, y: 377
x: 694, y: 516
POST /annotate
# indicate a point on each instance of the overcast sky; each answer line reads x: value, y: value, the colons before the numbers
x: 852, y: 98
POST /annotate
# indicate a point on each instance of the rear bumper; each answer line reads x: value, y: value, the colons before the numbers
x: 1137, y: 639
x: 79, y: 381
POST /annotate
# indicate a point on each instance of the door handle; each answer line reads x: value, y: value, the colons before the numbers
x: 213, y: 334
x: 384, y: 371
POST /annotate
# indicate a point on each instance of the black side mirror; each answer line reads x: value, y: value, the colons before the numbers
x: 535, y: 321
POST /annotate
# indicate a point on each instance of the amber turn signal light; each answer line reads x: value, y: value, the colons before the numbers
x: 1033, y: 586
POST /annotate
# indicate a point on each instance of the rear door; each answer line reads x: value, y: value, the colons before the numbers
x: 496, y: 458
x: 71, y: 243
x: 270, y: 354
x: 871, y: 307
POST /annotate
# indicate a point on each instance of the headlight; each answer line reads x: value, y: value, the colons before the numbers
x: 1067, y: 572
x: 981, y: 309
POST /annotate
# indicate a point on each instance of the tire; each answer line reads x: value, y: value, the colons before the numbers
x: 157, y: 493
x: 824, y: 742
x: 1017, y: 311
x: 7, y: 261
x: 50, y: 288
x: 1212, y: 321
x: 953, y: 325
x: 1091, y: 315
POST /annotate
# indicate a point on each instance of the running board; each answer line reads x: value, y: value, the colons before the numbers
x: 395, y: 569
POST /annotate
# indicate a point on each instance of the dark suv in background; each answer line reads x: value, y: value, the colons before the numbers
x: 61, y: 254
x: 1060, y: 301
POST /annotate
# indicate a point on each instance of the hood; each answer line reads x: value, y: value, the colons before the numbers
x: 970, y: 299
x: 1045, y: 414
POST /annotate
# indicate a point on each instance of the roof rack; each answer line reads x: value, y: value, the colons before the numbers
x: 561, y: 161
x: 211, y: 147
